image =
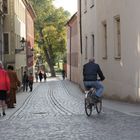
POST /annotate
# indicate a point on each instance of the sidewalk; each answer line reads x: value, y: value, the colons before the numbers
x: 127, y: 108
x: 124, y: 107
x: 21, y: 98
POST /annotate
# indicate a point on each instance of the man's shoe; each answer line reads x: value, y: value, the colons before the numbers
x: 96, y: 98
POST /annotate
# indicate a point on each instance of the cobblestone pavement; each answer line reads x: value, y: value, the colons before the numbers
x: 55, y: 111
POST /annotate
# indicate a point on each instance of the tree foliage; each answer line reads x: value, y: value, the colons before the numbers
x: 50, y: 31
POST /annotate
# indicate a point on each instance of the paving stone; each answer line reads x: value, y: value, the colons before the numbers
x: 55, y: 111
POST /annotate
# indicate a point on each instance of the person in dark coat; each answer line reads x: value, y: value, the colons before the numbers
x: 14, y: 84
x: 40, y: 76
x: 25, y: 81
x: 45, y: 76
x: 31, y: 80
x: 63, y: 74
x: 91, y: 71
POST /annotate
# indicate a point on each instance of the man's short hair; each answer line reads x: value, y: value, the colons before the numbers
x: 92, y: 60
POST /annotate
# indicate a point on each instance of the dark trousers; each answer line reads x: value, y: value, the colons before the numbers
x: 25, y: 86
x: 31, y: 86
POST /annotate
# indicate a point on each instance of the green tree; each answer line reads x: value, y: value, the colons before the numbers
x: 50, y: 30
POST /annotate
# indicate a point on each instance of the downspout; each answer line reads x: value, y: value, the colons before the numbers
x: 1, y: 37
x: 70, y: 49
x: 80, y: 14
x: 1, y: 33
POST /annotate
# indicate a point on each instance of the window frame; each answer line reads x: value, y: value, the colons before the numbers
x: 86, y: 47
x: 93, y: 44
x: 8, y: 46
x: 92, y: 3
x: 85, y: 6
x: 104, y: 26
x: 117, y: 34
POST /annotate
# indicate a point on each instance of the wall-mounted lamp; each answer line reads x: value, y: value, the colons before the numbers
x: 23, y: 44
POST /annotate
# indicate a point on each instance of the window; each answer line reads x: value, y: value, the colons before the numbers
x: 93, y: 51
x: 6, y: 43
x: 117, y: 37
x: 5, y: 6
x: 85, y: 8
x: 104, y: 40
x: 92, y: 2
x: 86, y: 46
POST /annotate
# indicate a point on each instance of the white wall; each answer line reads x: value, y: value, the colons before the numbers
x: 88, y: 20
x: 88, y: 28
x: 20, y: 31
x: 122, y: 76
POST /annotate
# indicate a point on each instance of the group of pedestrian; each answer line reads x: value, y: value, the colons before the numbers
x: 40, y: 75
x: 8, y: 85
x: 27, y: 81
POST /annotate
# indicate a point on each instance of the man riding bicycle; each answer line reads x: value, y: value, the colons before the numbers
x: 90, y: 72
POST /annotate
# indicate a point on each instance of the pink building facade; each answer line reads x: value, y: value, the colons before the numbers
x: 73, y: 50
x: 30, y: 17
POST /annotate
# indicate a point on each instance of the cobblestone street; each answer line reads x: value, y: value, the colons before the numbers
x: 55, y: 111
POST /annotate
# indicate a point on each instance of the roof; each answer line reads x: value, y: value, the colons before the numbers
x: 71, y: 19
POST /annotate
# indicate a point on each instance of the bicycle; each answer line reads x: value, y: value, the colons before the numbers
x: 91, y: 102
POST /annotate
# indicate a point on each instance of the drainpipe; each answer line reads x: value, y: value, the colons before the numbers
x: 80, y: 14
x: 1, y: 37
x: 70, y: 49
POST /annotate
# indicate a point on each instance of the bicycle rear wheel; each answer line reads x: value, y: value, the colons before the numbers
x: 88, y: 107
x: 99, y: 106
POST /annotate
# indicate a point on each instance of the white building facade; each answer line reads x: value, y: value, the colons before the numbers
x: 112, y: 28
x: 87, y: 29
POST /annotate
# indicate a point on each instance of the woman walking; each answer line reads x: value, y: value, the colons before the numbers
x: 4, y: 88
x: 14, y: 84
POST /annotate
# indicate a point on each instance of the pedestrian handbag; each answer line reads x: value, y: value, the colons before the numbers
x: 18, y: 84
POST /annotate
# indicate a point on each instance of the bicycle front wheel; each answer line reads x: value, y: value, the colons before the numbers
x: 88, y: 107
x: 99, y: 107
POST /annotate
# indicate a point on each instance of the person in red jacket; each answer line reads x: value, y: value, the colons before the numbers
x: 4, y: 88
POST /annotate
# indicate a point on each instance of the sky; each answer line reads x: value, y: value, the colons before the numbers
x: 69, y: 5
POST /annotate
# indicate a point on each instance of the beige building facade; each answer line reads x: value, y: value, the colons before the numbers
x: 14, y: 30
x: 18, y: 38
x: 88, y: 32
x: 116, y: 29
